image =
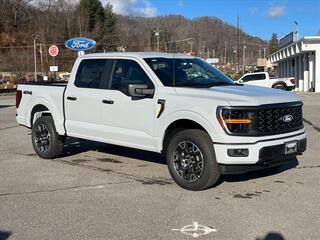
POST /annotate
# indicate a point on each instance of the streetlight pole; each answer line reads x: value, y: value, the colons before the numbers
x: 244, y: 57
x: 297, y: 30
x: 35, y: 57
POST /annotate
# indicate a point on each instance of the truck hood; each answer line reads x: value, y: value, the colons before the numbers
x: 242, y: 95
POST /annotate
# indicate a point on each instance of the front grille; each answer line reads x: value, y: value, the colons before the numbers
x: 271, y: 120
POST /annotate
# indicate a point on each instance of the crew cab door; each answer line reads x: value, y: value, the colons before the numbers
x: 128, y: 120
x: 83, y: 98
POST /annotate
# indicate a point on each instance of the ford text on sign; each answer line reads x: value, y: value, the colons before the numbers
x: 80, y: 44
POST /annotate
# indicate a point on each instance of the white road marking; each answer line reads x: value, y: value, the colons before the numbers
x: 195, y: 230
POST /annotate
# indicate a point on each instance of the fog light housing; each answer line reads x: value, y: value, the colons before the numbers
x: 238, y: 152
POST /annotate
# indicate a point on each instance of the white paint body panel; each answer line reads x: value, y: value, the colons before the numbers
x: 134, y: 123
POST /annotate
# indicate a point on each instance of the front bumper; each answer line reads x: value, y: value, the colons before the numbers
x: 262, y: 154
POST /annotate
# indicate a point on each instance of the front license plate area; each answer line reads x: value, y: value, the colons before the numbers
x: 290, y: 147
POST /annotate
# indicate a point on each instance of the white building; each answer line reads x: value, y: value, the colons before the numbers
x: 300, y: 60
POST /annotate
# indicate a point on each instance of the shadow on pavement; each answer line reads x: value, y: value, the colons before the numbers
x: 75, y: 146
x: 311, y: 124
x: 6, y: 106
x: 259, y: 174
x: 4, y: 235
x: 272, y: 236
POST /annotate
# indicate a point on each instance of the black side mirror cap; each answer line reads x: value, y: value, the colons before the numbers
x: 140, y: 90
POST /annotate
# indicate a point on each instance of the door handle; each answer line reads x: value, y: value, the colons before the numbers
x: 108, y: 101
x: 72, y: 98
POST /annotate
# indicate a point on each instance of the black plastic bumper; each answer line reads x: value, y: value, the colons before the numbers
x: 269, y: 157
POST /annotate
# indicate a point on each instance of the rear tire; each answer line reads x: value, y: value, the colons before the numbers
x: 280, y: 86
x: 191, y: 160
x: 45, y: 140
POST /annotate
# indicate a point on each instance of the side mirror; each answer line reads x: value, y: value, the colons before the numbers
x: 240, y: 81
x: 140, y: 90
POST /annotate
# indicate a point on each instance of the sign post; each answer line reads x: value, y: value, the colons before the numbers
x: 54, y: 51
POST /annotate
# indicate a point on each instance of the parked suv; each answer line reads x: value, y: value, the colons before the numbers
x: 178, y: 105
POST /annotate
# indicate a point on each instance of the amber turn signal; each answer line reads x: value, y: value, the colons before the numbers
x: 238, y: 121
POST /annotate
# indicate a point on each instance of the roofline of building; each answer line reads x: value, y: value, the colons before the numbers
x: 304, y: 39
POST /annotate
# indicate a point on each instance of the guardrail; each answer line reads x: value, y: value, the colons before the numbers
x: 8, y: 90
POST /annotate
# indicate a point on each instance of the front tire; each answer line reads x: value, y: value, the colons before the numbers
x: 45, y: 140
x: 191, y: 160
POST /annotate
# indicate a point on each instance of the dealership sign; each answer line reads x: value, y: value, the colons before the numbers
x: 286, y: 40
x: 80, y: 44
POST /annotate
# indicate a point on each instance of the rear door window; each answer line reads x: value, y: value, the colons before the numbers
x: 247, y: 78
x: 93, y: 73
x: 259, y: 77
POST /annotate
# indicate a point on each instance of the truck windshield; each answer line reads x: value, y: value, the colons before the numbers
x: 188, y: 72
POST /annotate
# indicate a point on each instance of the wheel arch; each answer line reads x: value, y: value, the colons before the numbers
x: 279, y: 82
x: 44, y: 107
x: 178, y: 125
x: 39, y: 108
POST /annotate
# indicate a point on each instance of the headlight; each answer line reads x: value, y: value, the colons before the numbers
x: 235, y: 121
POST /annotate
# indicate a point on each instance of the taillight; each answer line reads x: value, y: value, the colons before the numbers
x: 18, y: 98
x: 292, y: 80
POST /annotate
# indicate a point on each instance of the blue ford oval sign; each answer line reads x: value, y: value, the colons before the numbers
x: 80, y: 44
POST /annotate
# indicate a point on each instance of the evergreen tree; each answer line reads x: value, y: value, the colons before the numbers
x: 273, y: 44
x: 111, y: 37
x: 91, y: 16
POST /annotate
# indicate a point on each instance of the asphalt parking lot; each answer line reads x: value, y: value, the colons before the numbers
x: 99, y: 191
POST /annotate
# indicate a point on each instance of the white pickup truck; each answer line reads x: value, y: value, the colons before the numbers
x: 178, y: 105
x: 263, y: 79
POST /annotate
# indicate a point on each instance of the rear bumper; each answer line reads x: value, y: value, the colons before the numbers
x: 290, y: 88
x: 262, y: 155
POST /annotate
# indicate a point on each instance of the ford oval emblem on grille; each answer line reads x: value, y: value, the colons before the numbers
x: 287, y: 118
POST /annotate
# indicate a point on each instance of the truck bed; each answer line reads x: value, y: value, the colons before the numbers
x: 39, y: 94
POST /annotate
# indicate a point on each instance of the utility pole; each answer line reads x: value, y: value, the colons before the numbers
x: 203, y: 49
x: 238, y: 45
x: 225, y: 52
x: 244, y: 57
x: 35, y: 57
x: 259, y: 52
x: 264, y: 52
x: 157, y: 34
x: 191, y: 42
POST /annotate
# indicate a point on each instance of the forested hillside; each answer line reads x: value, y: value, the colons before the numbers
x: 53, y: 22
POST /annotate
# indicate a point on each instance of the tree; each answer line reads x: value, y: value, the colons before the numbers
x: 273, y: 45
x: 90, y: 16
x: 111, y: 37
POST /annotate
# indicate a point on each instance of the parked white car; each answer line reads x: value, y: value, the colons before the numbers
x: 203, y: 122
x: 263, y: 79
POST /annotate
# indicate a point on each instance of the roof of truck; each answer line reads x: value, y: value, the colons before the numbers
x: 138, y: 55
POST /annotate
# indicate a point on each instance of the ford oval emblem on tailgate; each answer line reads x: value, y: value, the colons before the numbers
x: 80, y: 44
x: 287, y: 118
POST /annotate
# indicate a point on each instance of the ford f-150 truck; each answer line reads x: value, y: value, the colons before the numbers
x: 174, y: 104
x: 263, y: 79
